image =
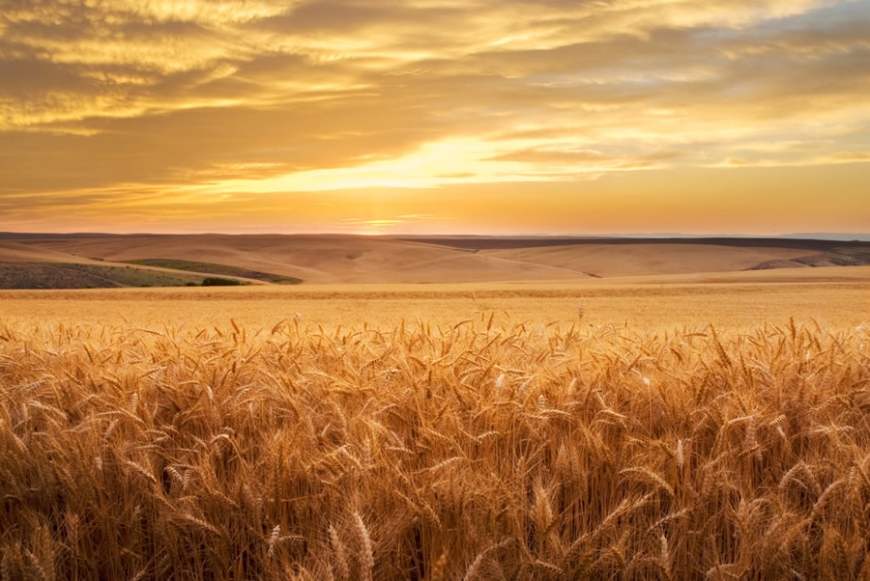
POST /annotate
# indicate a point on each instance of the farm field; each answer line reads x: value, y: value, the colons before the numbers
x: 652, y: 304
x: 335, y: 259
x: 535, y: 431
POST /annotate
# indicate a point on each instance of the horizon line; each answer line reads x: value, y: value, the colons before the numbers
x: 836, y: 236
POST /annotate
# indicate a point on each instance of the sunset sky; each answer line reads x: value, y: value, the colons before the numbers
x: 435, y: 116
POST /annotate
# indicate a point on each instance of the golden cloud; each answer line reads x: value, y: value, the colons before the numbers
x: 197, y: 99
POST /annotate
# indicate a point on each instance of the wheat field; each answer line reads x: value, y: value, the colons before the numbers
x: 479, y: 449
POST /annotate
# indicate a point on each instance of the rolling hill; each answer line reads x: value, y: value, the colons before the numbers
x: 337, y: 259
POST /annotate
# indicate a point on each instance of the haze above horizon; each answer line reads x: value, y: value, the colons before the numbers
x: 530, y: 117
x: 639, y: 237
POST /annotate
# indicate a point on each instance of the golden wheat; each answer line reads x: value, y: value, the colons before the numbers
x: 475, y: 450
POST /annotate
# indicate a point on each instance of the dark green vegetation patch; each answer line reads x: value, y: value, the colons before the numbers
x: 211, y: 268
x: 215, y: 281
x: 59, y: 276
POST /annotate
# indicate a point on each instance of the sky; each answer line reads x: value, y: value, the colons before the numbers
x: 575, y: 117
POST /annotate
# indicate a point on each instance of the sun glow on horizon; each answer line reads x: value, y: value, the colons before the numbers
x: 434, y: 164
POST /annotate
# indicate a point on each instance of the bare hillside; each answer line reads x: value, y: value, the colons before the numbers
x: 335, y: 259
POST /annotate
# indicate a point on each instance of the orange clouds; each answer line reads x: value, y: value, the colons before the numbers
x: 181, y: 114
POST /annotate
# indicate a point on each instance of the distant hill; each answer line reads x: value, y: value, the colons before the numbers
x: 91, y: 259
